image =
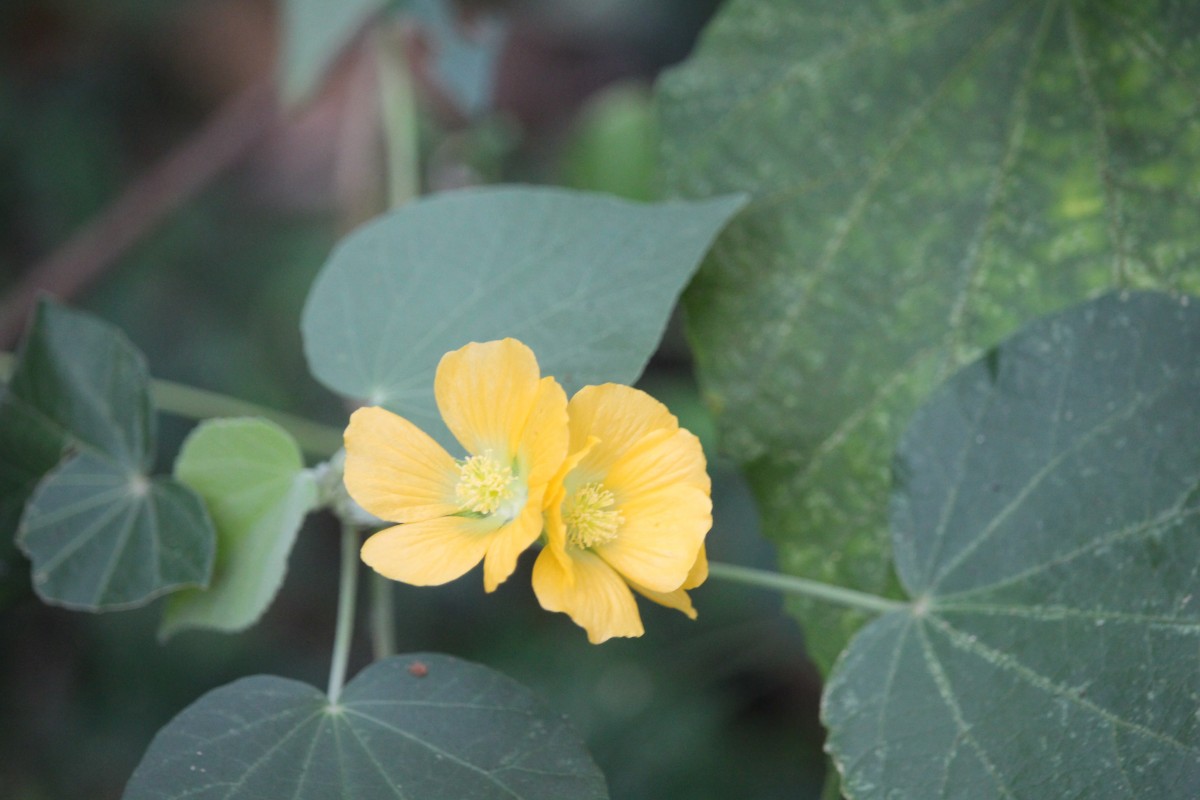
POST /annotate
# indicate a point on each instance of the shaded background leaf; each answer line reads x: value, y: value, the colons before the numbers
x: 1046, y: 523
x: 422, y: 725
x: 251, y: 476
x: 926, y: 177
x: 585, y: 280
x: 314, y: 33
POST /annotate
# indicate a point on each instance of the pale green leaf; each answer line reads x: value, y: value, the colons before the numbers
x: 926, y: 176
x: 1046, y: 524
x: 419, y: 727
x: 585, y: 280
x: 251, y: 476
x: 103, y: 537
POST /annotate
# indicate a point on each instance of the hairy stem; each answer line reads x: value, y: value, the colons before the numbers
x: 790, y: 584
x: 347, y: 593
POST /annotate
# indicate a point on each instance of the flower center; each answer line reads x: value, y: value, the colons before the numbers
x: 589, y: 519
x: 485, y: 485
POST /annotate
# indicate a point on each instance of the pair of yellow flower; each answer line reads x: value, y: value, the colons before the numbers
x: 619, y: 490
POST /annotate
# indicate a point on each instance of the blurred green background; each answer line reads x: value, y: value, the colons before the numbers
x: 94, y: 95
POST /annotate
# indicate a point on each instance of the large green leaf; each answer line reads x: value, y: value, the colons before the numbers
x: 927, y: 175
x: 587, y: 281
x: 100, y: 532
x: 424, y: 726
x: 251, y: 476
x: 1046, y: 524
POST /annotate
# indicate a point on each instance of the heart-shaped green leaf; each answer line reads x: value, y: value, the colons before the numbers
x: 927, y: 176
x: 1046, y: 524
x: 423, y: 726
x: 100, y: 532
x: 251, y: 476
x: 104, y: 537
x: 585, y: 280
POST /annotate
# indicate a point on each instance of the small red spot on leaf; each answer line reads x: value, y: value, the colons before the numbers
x: 417, y: 669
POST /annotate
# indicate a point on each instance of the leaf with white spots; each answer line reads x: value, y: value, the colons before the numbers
x: 927, y: 175
x: 1046, y: 524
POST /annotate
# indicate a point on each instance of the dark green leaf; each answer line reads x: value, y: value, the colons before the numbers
x: 251, y: 476
x: 104, y: 537
x: 101, y: 534
x: 1046, y: 524
x: 927, y: 175
x: 587, y: 281
x: 78, y: 382
x: 425, y: 727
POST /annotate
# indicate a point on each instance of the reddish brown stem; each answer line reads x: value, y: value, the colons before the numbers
x: 221, y: 142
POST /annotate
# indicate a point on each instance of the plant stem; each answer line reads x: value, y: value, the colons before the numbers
x: 398, y: 112
x: 383, y: 617
x: 188, y: 401
x: 790, y: 584
x: 347, y: 593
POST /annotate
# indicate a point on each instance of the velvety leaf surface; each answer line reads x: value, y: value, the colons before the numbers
x: 100, y: 532
x: 587, y: 281
x: 103, y: 537
x: 1046, y: 523
x: 926, y: 176
x: 424, y: 726
x: 251, y: 476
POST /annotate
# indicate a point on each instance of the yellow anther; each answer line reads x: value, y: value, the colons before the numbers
x: 588, y: 518
x: 484, y: 484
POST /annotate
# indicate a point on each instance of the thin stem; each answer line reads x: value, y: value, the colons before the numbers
x: 347, y: 593
x: 790, y: 584
x: 398, y: 106
x: 188, y: 401
x: 383, y: 617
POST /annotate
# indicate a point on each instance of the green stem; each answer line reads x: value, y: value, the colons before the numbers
x: 347, y: 593
x: 383, y: 617
x: 398, y: 106
x: 188, y: 401
x: 790, y: 584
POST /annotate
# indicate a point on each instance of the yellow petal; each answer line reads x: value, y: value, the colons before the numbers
x: 619, y: 416
x: 509, y: 541
x: 395, y: 471
x: 677, y: 599
x: 486, y: 393
x: 543, y: 443
x: 596, y: 598
x: 431, y: 552
x: 661, y: 536
x: 556, y: 493
x: 661, y: 458
x: 698, y: 574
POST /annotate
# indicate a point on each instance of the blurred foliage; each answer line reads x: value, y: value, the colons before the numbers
x: 89, y: 98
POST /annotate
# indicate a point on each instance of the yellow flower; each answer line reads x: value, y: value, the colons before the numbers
x: 454, y: 513
x: 630, y: 508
